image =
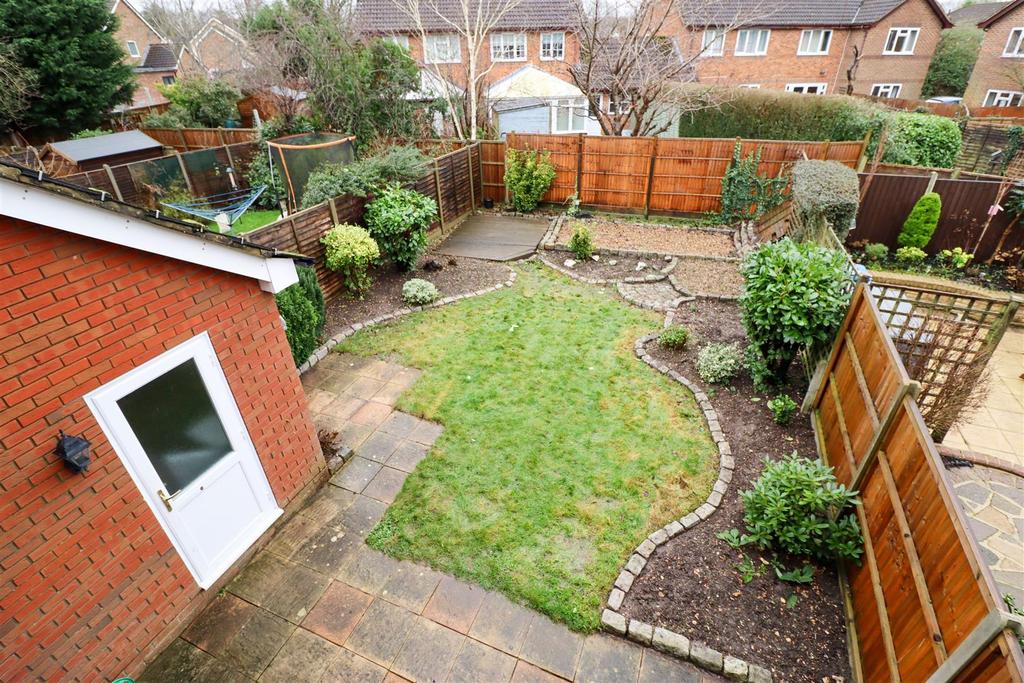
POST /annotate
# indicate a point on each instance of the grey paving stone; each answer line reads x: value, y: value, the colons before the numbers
x: 337, y: 612
x: 671, y: 642
x: 379, y: 446
x: 257, y: 643
x: 329, y: 549
x: 455, y: 604
x: 304, y: 657
x: 552, y: 647
x: 613, y: 621
x: 399, y: 424
x: 327, y: 505
x: 219, y: 623
x: 607, y: 659
x: 501, y: 624
x: 407, y: 456
x: 479, y: 662
x: 356, y: 474
x: 973, y: 492
x: 180, y: 661
x: 659, y: 668
x: 348, y: 667
x: 295, y: 595
x: 260, y: 578
x: 368, y: 570
x: 294, y: 534
x: 381, y: 632
x: 363, y: 515
x: 528, y: 673
x: 386, y: 484
x: 429, y: 652
x: 705, y: 656
x: 426, y: 433
x: 411, y: 586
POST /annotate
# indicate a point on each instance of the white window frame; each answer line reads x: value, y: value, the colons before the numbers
x: 910, y: 34
x: 742, y: 37
x: 1015, y: 43
x: 824, y: 35
x: 749, y: 86
x: 133, y: 49
x: 886, y: 90
x: 572, y: 105
x: 500, y: 41
x: 712, y: 43
x: 399, y: 40
x: 821, y: 88
x: 617, y: 107
x: 430, y: 44
x: 549, y: 55
x: 1003, y: 98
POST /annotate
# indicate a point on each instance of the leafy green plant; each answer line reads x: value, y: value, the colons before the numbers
x: 398, y: 220
x: 399, y: 165
x: 802, y: 575
x: 921, y: 223
x: 91, y: 133
x: 198, y: 102
x: 795, y: 295
x: 910, y: 255
x: 417, y: 292
x: 876, y: 251
x: 349, y: 250
x: 733, y: 538
x: 1014, y: 138
x: 674, y: 337
x: 952, y: 61
x: 746, y: 193
x: 302, y: 307
x: 749, y: 570
x: 1013, y: 608
x: 718, y: 363
x: 829, y: 190
x: 922, y: 140
x: 783, y: 409
x: 797, y: 506
x: 573, y: 209
x: 528, y: 175
x: 581, y: 243
x: 955, y: 258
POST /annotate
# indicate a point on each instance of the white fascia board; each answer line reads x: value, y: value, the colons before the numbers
x: 37, y: 205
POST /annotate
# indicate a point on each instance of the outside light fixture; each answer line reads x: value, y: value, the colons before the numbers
x: 74, y: 450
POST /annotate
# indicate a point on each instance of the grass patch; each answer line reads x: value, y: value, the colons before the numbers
x: 252, y: 219
x: 561, y: 451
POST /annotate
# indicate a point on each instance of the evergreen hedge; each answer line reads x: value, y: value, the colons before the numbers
x: 921, y: 223
x: 828, y: 189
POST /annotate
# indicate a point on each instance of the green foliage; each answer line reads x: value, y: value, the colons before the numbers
x: 528, y: 175
x: 955, y: 258
x: 733, y: 538
x: 198, y: 102
x: 876, y: 251
x: 1014, y: 202
x: 1013, y: 608
x: 417, y: 292
x: 90, y: 133
x: 258, y: 172
x: 581, y: 243
x: 910, y: 255
x: 674, y: 337
x: 302, y: 307
x: 718, y: 363
x: 922, y: 140
x: 797, y: 506
x: 349, y: 250
x: 574, y: 205
x: 399, y: 165
x: 176, y: 193
x: 803, y: 575
x: 749, y: 570
x: 783, y: 409
x: 745, y: 192
x: 758, y: 369
x: 921, y: 223
x: 1014, y: 137
x: 398, y: 220
x: 826, y: 189
x: 795, y: 295
x: 70, y: 51
x: 952, y: 62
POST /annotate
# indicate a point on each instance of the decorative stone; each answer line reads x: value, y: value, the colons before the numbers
x: 706, y: 657
x: 715, y: 498
x: 704, y: 511
x: 728, y: 462
x: 640, y: 266
x: 614, y: 622
x: 658, y: 537
x: 671, y: 642
x: 595, y: 257
x: 569, y: 263
x: 640, y: 632
x: 725, y: 475
x: 667, y: 259
x: 615, y: 599
x: 720, y: 486
x: 673, y: 529
x: 646, y: 548
x: 624, y: 582
x: 636, y: 564
x: 690, y: 520
x: 758, y: 674
x: 613, y: 262
x: 734, y: 668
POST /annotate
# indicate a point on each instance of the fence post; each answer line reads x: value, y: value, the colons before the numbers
x: 334, y: 210
x: 480, y: 167
x: 437, y: 193
x: 862, y: 160
x: 650, y: 178
x: 220, y: 135
x: 579, y: 167
x: 184, y: 142
x: 932, y: 178
x: 828, y: 148
x: 113, y: 183
x: 295, y: 234
x: 184, y: 172
x: 469, y: 169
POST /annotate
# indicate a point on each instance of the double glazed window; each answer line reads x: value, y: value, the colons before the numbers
x: 752, y: 42
x: 1003, y: 98
x: 1015, y: 44
x: 815, y: 41
x: 552, y: 46
x: 806, y: 88
x: 442, y: 49
x: 886, y: 90
x: 570, y: 115
x: 508, y: 47
x: 713, y: 42
x: 901, y: 41
x: 133, y: 48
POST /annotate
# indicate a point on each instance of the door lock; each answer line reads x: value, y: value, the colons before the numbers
x: 165, y: 499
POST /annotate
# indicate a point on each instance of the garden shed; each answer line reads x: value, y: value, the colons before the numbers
x: 88, y: 154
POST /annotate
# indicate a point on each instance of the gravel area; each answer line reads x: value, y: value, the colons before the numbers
x: 608, y: 267
x: 661, y: 239
x: 706, y: 276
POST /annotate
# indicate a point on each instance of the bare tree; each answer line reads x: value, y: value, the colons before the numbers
x: 17, y: 85
x: 177, y: 20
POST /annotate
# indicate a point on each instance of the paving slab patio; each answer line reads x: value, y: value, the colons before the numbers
x: 318, y: 604
x: 495, y: 238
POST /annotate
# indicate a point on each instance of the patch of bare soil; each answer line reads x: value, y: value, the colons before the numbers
x: 706, y: 276
x: 691, y: 584
x: 457, y: 275
x: 660, y: 239
x: 607, y: 267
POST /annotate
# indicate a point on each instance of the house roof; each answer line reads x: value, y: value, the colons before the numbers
x: 390, y: 16
x: 529, y: 81
x: 797, y: 13
x: 517, y: 103
x: 660, y: 58
x: 972, y: 15
x: 1000, y: 13
x: 102, y: 146
x: 160, y: 57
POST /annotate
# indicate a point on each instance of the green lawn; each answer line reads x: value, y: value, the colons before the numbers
x: 252, y: 219
x: 561, y: 450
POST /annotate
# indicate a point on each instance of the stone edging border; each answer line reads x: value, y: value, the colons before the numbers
x: 661, y: 274
x: 660, y: 638
x: 321, y: 352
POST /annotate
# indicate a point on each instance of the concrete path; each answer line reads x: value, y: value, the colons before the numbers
x: 319, y: 605
x: 495, y: 238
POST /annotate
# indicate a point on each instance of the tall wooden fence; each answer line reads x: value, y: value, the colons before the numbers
x: 922, y: 605
x: 452, y: 180
x: 189, y: 139
x: 659, y: 175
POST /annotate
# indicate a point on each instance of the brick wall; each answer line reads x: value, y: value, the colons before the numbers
x: 133, y: 28
x: 992, y: 71
x: 217, y: 52
x: 88, y: 579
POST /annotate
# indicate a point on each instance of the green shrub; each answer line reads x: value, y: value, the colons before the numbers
x: 198, y: 102
x: 794, y: 295
x: 797, y: 506
x: 398, y: 220
x: 581, y: 243
x: 876, y: 251
x: 674, y: 337
x: 745, y: 192
x: 399, y: 165
x: 349, y: 250
x: 718, y: 363
x: 783, y: 409
x: 90, y: 133
x: 417, y: 292
x: 302, y: 307
x: 528, y: 175
x: 922, y: 140
x: 952, y: 61
x: 921, y: 223
x: 826, y: 189
x: 954, y: 258
x: 910, y: 255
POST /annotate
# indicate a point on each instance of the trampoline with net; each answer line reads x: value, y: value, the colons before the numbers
x: 294, y: 157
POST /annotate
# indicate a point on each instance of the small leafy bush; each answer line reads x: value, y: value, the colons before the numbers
x: 528, y: 175
x: 952, y: 61
x: 955, y: 258
x: 398, y: 220
x: 349, y: 250
x: 197, y: 102
x: 783, y: 409
x: 90, y: 133
x: 417, y: 292
x: 922, y: 140
x: 876, y: 251
x: 581, y: 243
x: 797, y: 506
x: 921, y: 223
x: 910, y: 255
x: 399, y: 165
x: 674, y: 337
x: 302, y: 307
x: 827, y: 189
x: 718, y: 363
x: 745, y: 192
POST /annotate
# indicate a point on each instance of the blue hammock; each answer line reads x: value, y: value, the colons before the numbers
x: 233, y: 204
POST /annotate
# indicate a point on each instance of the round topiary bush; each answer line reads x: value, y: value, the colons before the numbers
x: 349, y: 250
x: 581, y: 243
x: 921, y: 223
x: 417, y: 292
x: 826, y: 189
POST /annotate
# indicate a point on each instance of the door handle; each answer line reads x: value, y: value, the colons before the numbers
x: 165, y: 499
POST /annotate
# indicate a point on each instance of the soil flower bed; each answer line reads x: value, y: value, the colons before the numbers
x: 609, y: 233
x: 560, y: 451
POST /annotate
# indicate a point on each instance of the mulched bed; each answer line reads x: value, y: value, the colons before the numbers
x: 661, y: 239
x: 608, y: 267
x: 691, y: 586
x: 458, y: 275
x: 705, y: 276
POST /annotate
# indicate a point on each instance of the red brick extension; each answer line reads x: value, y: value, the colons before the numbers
x: 88, y: 580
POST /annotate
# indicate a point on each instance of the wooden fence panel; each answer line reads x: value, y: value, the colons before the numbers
x: 615, y: 172
x: 188, y: 139
x: 565, y: 151
x: 492, y: 170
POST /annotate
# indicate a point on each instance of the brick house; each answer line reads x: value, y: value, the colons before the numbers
x: 219, y: 49
x: 998, y: 76
x: 869, y: 47
x: 163, y: 348
x: 154, y: 60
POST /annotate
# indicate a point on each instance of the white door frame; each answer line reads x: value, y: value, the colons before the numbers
x: 102, y: 403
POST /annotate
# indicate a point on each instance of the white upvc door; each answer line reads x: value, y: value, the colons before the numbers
x: 174, y: 423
